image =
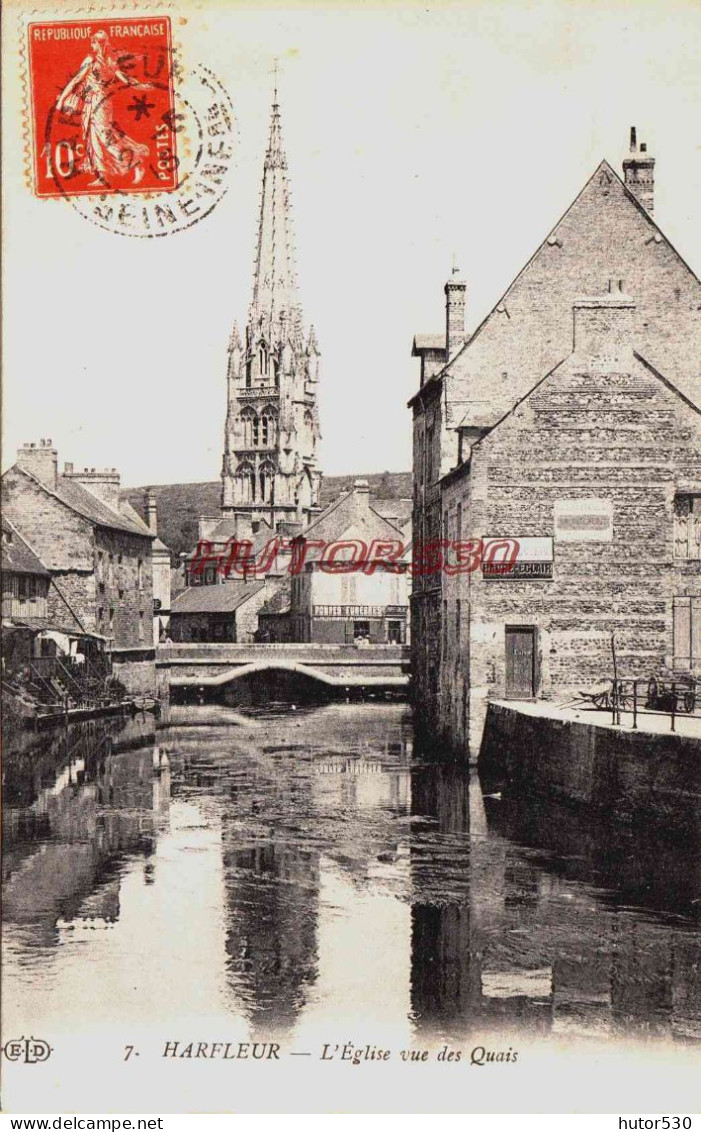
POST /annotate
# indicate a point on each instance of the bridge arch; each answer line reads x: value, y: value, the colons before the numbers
x: 229, y: 675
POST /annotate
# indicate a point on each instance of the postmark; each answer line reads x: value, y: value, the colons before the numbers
x: 103, y: 111
x: 137, y: 141
x: 205, y: 124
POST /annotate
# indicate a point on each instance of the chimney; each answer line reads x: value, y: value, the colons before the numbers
x: 604, y: 327
x: 639, y: 173
x: 455, y: 290
x: 360, y: 497
x: 41, y: 461
x: 150, y: 513
x: 102, y: 483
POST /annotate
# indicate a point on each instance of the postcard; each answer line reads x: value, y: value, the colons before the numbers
x: 351, y: 558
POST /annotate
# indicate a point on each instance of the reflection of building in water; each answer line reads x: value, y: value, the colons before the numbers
x: 445, y: 960
x: 292, y: 823
x: 62, y: 848
x: 272, y: 897
x: 271, y: 886
x: 502, y: 940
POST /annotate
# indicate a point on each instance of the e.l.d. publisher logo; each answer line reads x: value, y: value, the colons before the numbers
x: 29, y: 1050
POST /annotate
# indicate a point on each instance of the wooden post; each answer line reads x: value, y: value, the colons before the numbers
x: 614, y: 699
x: 635, y: 705
x: 674, y: 704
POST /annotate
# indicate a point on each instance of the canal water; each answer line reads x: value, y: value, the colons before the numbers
x: 287, y: 873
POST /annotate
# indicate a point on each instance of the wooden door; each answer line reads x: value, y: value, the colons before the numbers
x: 520, y: 662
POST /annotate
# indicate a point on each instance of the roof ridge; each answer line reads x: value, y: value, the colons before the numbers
x: 603, y: 164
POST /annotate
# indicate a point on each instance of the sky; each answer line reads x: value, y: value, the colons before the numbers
x: 416, y: 136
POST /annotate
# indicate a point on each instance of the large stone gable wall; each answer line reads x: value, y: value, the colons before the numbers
x: 62, y: 539
x: 605, y: 235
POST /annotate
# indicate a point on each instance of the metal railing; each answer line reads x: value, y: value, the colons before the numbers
x: 675, y: 698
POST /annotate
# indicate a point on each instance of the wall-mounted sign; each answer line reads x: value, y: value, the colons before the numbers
x: 522, y: 570
x: 584, y: 520
x: 533, y: 558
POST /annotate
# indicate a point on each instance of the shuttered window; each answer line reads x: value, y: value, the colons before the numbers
x: 687, y: 632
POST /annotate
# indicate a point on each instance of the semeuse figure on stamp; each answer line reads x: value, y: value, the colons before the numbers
x: 108, y: 150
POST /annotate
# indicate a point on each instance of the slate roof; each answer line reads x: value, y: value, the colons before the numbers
x: 84, y: 503
x: 428, y: 342
x: 398, y: 511
x: 279, y: 602
x: 215, y: 599
x: 344, y: 520
x: 17, y: 556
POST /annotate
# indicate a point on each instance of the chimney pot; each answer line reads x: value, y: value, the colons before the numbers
x: 454, y: 290
x: 639, y: 173
x: 41, y: 461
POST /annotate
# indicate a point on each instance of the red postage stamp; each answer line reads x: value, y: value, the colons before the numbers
x: 102, y: 106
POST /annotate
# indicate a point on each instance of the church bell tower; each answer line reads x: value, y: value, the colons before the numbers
x: 270, y: 469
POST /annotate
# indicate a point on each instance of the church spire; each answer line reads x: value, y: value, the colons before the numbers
x: 274, y: 281
x: 271, y: 436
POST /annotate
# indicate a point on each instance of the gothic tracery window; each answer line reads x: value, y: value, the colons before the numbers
x: 263, y: 360
x: 247, y: 480
x: 250, y: 427
x: 266, y: 477
x: 268, y: 426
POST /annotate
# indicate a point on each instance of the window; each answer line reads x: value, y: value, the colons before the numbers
x: 27, y: 588
x: 141, y: 626
x: 249, y: 422
x: 361, y: 629
x: 100, y: 614
x: 394, y: 632
x: 111, y: 622
x: 687, y: 526
x: 268, y: 423
x: 247, y: 483
x: 100, y: 568
x: 255, y: 427
x: 445, y: 628
x: 263, y: 360
x: 687, y: 633
x: 266, y: 478
x: 140, y: 574
x: 110, y: 570
x: 429, y: 454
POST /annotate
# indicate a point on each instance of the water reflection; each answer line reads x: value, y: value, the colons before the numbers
x: 311, y: 868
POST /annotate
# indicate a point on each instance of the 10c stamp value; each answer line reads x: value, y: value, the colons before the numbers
x: 103, y: 112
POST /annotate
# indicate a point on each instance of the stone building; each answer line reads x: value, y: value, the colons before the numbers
x: 269, y: 469
x: 333, y: 606
x: 98, y: 552
x: 218, y: 613
x: 589, y: 459
x: 25, y: 580
x: 161, y: 567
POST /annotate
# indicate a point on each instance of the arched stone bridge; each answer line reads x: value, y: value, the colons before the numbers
x: 341, y: 666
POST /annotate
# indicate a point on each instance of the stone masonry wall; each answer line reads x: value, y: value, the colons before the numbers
x: 623, y: 437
